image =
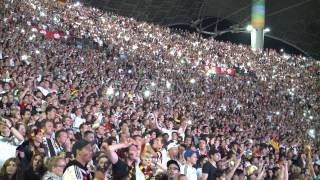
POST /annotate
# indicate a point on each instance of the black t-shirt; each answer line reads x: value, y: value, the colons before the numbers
x: 120, y: 170
x: 209, y: 169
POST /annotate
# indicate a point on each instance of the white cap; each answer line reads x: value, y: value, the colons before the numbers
x: 172, y: 145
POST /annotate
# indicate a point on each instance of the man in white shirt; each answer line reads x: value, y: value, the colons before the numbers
x: 188, y: 169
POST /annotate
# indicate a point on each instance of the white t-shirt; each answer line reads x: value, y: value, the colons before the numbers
x: 77, y: 121
x: 8, y: 148
x: 189, y: 171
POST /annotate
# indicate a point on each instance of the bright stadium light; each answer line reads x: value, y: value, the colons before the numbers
x: 147, y: 93
x: 168, y: 84
x: 249, y: 28
x: 266, y: 30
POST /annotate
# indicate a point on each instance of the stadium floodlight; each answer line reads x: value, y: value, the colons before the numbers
x: 147, y: 93
x: 24, y: 57
x: 249, y: 28
x: 77, y: 4
x: 266, y: 30
x: 168, y: 84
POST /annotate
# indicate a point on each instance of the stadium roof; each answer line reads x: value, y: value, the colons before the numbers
x: 294, y: 21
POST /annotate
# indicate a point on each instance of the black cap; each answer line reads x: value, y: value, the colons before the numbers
x: 78, y: 145
x: 173, y: 162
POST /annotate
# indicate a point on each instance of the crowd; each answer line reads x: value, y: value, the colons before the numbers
x: 146, y: 102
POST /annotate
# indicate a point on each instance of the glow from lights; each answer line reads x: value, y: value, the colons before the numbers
x: 153, y: 84
x: 266, y: 30
x: 249, y: 28
x: 192, y: 81
x: 24, y: 57
x: 42, y: 14
x: 147, y: 93
x: 77, y: 4
x: 37, y: 52
x: 168, y: 84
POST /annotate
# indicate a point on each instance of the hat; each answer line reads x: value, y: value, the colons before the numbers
x: 78, y: 145
x: 172, y: 145
x: 173, y: 162
x: 189, y: 153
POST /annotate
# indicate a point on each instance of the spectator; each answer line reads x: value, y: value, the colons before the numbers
x: 210, y: 168
x: 76, y: 169
x: 10, y: 170
x: 55, y: 169
x: 191, y: 160
x: 173, y: 171
x: 127, y: 168
x: 36, y: 168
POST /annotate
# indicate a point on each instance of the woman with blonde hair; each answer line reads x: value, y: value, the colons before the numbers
x: 55, y: 168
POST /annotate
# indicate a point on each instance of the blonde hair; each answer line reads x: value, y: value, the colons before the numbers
x: 53, y: 162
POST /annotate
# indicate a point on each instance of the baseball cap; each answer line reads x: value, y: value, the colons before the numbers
x: 78, y: 145
x: 189, y: 153
x: 173, y: 162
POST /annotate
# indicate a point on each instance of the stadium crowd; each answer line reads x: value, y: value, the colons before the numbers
x: 144, y: 102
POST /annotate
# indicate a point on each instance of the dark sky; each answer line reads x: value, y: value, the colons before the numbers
x: 240, y: 38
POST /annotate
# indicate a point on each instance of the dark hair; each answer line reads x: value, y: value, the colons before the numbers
x: 49, y: 109
x: 86, y: 133
x: 56, y: 123
x: 69, y: 129
x: 18, y: 124
x: 110, y: 139
x: 83, y: 124
x: 45, y: 122
x: 203, y: 139
x: 58, y: 133
x: 24, y: 112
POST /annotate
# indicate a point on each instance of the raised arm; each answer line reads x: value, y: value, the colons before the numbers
x: 157, y: 123
x: 233, y: 170
x: 14, y: 131
x: 111, y: 150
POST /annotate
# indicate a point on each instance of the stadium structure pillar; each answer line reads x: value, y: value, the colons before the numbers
x: 258, y: 23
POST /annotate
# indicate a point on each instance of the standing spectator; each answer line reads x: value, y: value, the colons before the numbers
x: 173, y: 170
x: 55, y: 169
x: 128, y: 167
x: 7, y: 141
x: 191, y: 160
x: 36, y: 168
x: 49, y: 140
x: 210, y: 168
x: 76, y: 169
